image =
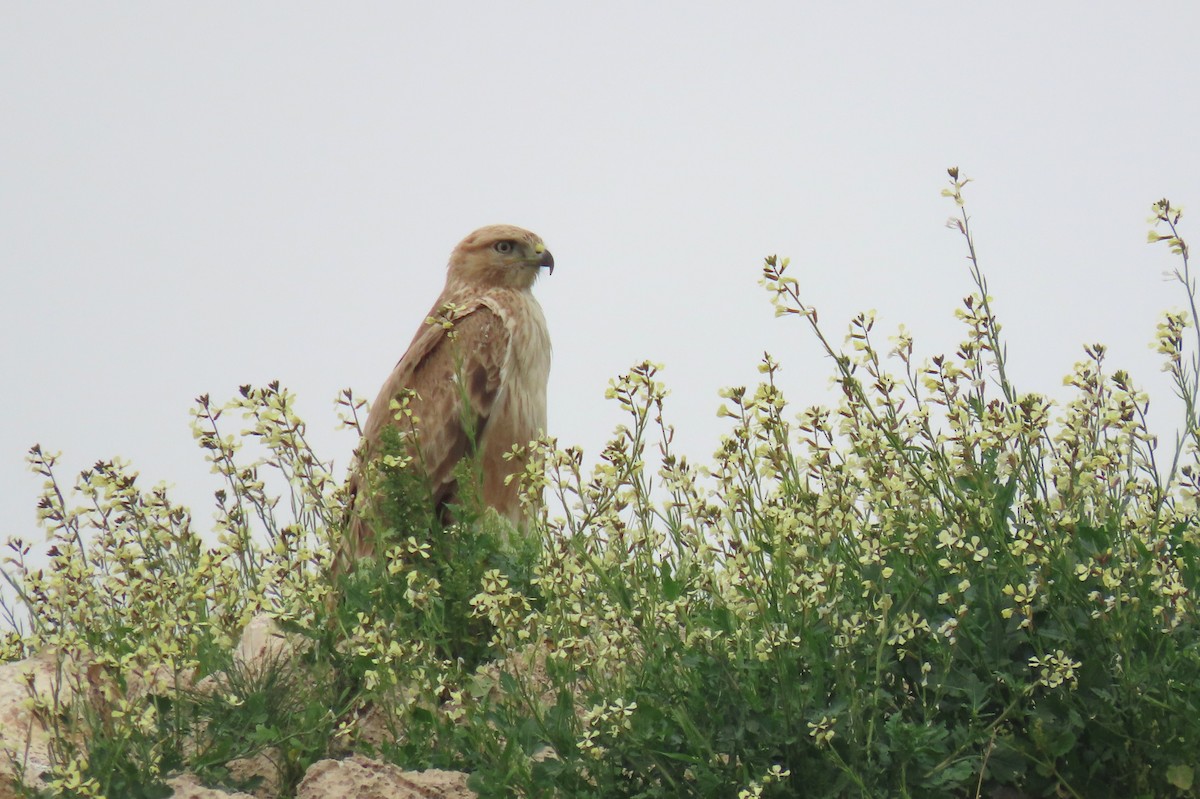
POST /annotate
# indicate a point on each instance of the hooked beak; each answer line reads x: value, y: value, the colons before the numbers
x: 547, y: 261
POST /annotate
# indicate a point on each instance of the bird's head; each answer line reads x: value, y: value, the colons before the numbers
x: 500, y: 256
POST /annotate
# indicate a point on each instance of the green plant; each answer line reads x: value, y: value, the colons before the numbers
x: 941, y: 586
x: 136, y: 606
x: 277, y: 709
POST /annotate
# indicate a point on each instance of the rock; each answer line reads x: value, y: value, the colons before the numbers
x: 186, y: 786
x: 364, y: 778
x: 261, y: 646
x: 7, y: 791
x: 263, y: 643
x: 371, y: 726
x: 527, y: 665
x: 24, y: 739
x: 260, y: 766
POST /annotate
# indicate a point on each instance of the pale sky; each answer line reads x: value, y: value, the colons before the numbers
x: 198, y: 196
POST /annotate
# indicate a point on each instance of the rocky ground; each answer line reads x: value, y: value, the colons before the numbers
x: 25, y: 741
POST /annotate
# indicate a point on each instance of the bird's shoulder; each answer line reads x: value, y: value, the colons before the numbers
x: 471, y: 325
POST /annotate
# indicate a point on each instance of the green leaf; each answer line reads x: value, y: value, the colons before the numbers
x: 1181, y: 777
x: 672, y: 587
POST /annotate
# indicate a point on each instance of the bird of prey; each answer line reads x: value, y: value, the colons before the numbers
x: 476, y: 371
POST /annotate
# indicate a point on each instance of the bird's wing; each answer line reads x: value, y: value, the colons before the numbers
x: 444, y: 366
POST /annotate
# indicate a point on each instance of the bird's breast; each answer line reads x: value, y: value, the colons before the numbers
x: 521, y: 404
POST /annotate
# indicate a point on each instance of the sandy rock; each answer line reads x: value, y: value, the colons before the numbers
x: 7, y: 791
x: 363, y: 778
x: 186, y: 786
x: 25, y: 740
x: 55, y: 681
x: 527, y: 664
x: 23, y: 737
x: 262, y: 643
x: 159, y: 680
x: 261, y: 766
x: 371, y: 726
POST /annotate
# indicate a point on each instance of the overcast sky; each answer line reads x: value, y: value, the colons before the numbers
x: 198, y: 196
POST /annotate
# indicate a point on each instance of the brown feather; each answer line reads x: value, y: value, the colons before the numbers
x: 497, y: 345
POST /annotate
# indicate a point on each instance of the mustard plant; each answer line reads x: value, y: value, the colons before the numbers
x: 941, y: 585
x: 136, y: 605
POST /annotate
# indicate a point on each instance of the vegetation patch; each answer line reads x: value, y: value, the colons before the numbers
x: 941, y: 586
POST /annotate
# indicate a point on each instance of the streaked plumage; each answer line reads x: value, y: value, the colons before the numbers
x: 500, y: 334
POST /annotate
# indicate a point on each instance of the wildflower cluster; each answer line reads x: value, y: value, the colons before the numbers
x: 925, y: 590
x: 940, y: 586
x: 135, y: 604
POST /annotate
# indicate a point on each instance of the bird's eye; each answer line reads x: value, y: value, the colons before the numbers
x: 503, y: 246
